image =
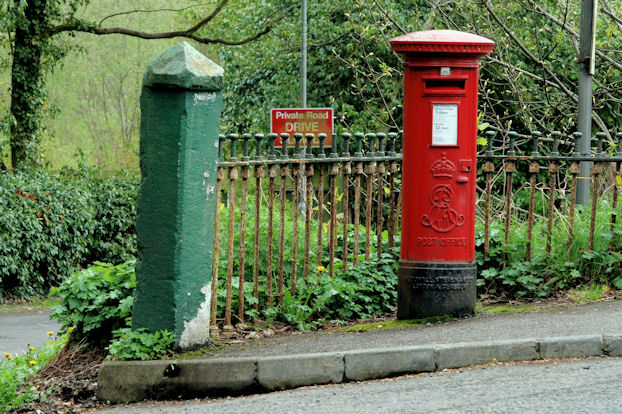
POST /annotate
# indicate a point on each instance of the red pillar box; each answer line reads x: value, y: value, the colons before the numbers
x: 437, y: 267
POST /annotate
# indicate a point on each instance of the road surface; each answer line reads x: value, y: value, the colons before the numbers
x: 578, y: 386
x: 23, y: 327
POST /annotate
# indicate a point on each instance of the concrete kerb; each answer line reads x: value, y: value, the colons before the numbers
x: 290, y: 371
x: 368, y: 364
x: 572, y: 347
x: 133, y: 381
x: 613, y: 345
x: 475, y: 353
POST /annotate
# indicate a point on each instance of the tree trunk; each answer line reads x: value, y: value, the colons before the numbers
x: 27, y: 89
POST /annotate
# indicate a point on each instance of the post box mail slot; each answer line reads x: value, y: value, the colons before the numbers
x: 437, y: 261
x: 440, y: 86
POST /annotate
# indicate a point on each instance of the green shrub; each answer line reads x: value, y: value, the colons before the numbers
x: 113, y: 239
x: 367, y: 290
x: 95, y: 302
x: 52, y: 224
x: 360, y: 293
x: 563, y: 268
x: 140, y: 344
x: 95, y: 307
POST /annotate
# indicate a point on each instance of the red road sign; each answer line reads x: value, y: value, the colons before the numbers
x: 303, y: 120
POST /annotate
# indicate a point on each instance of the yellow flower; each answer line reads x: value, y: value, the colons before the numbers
x: 8, y: 355
x: 71, y: 328
x: 32, y: 362
x: 31, y: 348
x: 320, y: 268
x: 51, y: 333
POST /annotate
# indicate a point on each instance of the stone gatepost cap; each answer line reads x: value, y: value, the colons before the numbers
x: 183, y: 67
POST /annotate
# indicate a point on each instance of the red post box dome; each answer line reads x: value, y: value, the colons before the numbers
x: 422, y: 45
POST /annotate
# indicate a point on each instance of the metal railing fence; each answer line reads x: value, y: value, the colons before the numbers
x: 290, y: 210
x: 549, y: 165
x: 308, y: 191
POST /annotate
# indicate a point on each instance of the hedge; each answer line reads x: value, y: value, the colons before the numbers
x: 52, y: 224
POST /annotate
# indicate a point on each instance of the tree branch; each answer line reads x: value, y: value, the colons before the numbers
x: 528, y: 54
x: 208, y: 18
x: 81, y: 26
x: 574, y: 34
x: 77, y: 26
x: 388, y: 16
x: 151, y: 11
x: 607, y: 10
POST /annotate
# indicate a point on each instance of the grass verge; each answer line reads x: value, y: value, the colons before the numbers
x: 394, y: 324
x: 16, y: 370
x: 35, y: 303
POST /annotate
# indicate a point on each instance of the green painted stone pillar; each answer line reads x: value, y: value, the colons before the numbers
x: 181, y: 103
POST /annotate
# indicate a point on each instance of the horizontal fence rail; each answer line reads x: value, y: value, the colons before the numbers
x: 289, y: 210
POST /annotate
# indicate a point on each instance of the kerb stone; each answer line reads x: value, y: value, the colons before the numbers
x: 571, y: 347
x: 613, y: 345
x: 132, y: 381
x: 379, y: 363
x: 278, y: 373
x: 475, y: 353
x: 128, y: 381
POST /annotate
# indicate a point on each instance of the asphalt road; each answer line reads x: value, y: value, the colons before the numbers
x: 20, y: 328
x: 580, y: 386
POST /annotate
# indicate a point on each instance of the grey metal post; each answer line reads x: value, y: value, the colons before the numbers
x: 584, y: 116
x: 303, y: 69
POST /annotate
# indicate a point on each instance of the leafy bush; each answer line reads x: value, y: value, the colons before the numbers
x: 113, y: 239
x: 362, y: 292
x: 562, y: 269
x: 96, y: 301
x: 288, y: 253
x: 52, y: 224
x: 140, y: 344
x: 95, y: 307
x: 367, y: 290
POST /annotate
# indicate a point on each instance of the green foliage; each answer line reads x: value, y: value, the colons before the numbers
x: 289, y: 265
x: 28, y: 26
x: 350, y: 65
x: 15, y: 371
x: 352, y: 69
x: 95, y: 302
x: 394, y: 324
x: 360, y: 293
x: 546, y: 273
x: 95, y: 308
x: 140, y: 344
x: 114, y: 236
x: 98, y: 110
x: 588, y: 293
x: 51, y: 224
x: 38, y: 34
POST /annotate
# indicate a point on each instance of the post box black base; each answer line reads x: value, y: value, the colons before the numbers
x: 435, y: 288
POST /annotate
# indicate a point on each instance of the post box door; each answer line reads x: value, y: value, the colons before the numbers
x: 440, y: 191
